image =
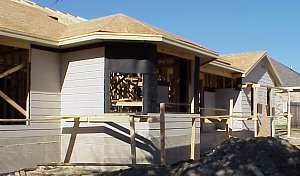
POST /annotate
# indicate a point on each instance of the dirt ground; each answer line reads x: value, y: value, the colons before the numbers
x: 254, y: 156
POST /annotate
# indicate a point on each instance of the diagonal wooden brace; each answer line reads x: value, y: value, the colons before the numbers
x: 12, y: 103
x: 12, y: 70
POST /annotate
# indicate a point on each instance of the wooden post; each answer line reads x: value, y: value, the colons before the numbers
x: 162, y: 134
x: 254, y: 89
x: 132, y: 140
x: 289, y: 120
x: 227, y: 131
x: 264, y: 132
x: 272, y: 121
x: 230, y: 119
x: 193, y: 139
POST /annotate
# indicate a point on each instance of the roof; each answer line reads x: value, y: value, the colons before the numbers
x: 247, y: 61
x: 244, y: 61
x: 120, y: 23
x: 19, y: 18
x: 32, y: 19
x: 288, y: 76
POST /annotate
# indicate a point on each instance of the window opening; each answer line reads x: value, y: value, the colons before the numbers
x: 14, y: 83
x: 126, y: 93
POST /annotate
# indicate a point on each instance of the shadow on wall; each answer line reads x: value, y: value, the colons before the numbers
x: 141, y: 142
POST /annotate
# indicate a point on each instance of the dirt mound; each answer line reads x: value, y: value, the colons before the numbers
x: 255, y: 156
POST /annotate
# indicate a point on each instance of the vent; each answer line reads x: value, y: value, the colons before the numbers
x: 54, y: 17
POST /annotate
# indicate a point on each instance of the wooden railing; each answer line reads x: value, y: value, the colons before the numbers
x: 151, y: 117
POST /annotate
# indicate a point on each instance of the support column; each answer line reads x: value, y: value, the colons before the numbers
x: 289, y: 120
x: 196, y: 85
x: 270, y: 105
x: 254, y: 113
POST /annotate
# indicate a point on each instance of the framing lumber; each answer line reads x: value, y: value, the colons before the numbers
x: 230, y: 119
x: 132, y: 140
x: 272, y: 121
x: 254, y: 111
x: 12, y: 70
x: 13, y: 103
x: 193, y: 139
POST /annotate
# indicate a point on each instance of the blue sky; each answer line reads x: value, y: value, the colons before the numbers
x: 226, y: 26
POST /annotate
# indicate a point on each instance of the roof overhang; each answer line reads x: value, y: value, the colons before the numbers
x: 28, y: 37
x: 221, y: 70
x: 206, y: 55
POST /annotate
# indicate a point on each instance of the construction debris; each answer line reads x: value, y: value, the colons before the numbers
x: 260, y: 156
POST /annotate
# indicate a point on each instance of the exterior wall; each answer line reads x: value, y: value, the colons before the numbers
x: 242, y: 98
x: 82, y: 79
x: 103, y: 142
x: 260, y: 75
x: 110, y: 142
x: 23, y: 146
x: 177, y: 141
x: 281, y: 105
x: 223, y: 102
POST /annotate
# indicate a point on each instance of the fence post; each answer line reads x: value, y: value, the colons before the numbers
x: 162, y: 134
x: 132, y: 140
x: 289, y: 119
x: 272, y: 121
x: 193, y: 138
x: 254, y: 89
x: 230, y: 119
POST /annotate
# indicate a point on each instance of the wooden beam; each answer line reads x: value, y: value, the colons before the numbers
x: 254, y: 111
x: 12, y: 70
x: 132, y: 140
x: 162, y: 134
x: 13, y: 103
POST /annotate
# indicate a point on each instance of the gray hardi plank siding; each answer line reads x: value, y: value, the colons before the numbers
x: 82, y: 80
x: 22, y: 146
x: 260, y: 75
x: 242, y: 99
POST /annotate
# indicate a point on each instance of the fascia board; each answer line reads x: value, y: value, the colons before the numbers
x: 189, y: 47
